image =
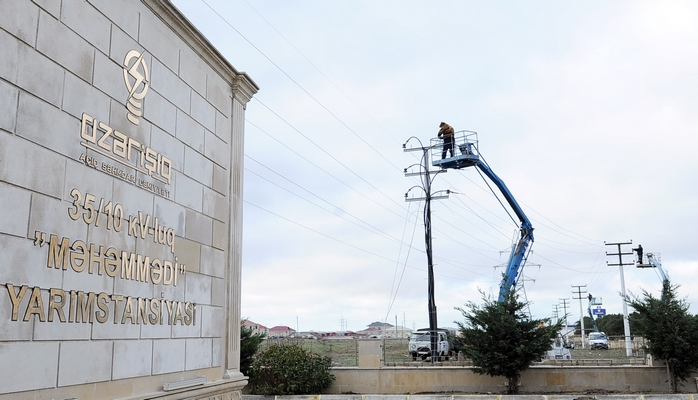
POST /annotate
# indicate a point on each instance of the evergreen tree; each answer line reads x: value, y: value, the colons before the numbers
x: 671, y: 332
x: 588, y: 326
x: 502, y: 340
x: 249, y: 344
x: 612, y: 325
x: 636, y: 329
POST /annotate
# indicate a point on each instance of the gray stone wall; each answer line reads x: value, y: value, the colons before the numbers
x: 535, y: 380
x: 119, y: 227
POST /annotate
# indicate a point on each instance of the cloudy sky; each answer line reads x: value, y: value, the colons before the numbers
x: 586, y: 110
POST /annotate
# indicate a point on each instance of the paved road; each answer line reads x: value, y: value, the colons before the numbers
x: 684, y: 396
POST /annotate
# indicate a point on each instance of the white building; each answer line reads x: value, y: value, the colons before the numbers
x: 121, y: 150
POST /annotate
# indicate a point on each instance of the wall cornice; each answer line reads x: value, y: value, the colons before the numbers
x: 243, y: 85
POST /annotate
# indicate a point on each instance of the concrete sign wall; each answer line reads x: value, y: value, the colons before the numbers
x: 121, y: 146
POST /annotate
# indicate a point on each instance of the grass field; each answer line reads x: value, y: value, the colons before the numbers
x: 345, y: 352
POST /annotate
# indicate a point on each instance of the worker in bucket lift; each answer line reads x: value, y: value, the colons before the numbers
x: 638, y: 250
x: 446, y: 132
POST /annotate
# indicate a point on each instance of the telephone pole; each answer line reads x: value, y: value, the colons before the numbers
x: 427, y: 178
x: 626, y: 321
x: 564, y: 307
x: 581, y: 312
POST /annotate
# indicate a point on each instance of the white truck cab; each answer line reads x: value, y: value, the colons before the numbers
x: 598, y: 340
x: 420, y: 345
x: 560, y: 349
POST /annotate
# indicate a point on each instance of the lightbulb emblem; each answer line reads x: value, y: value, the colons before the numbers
x: 137, y: 79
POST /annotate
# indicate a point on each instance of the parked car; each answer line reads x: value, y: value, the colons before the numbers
x: 598, y: 340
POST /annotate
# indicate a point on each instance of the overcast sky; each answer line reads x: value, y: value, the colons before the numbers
x: 586, y: 110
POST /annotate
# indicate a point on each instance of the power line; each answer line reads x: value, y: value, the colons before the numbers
x: 318, y: 102
x: 392, y: 199
x: 328, y: 154
x: 319, y: 233
x: 365, y: 225
x: 321, y: 72
x: 396, y: 285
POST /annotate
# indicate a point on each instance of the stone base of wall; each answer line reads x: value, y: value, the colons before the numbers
x: 535, y: 380
x: 228, y: 389
x: 220, y: 390
x: 223, y: 394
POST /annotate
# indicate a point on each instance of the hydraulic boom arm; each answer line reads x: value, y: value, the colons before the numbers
x: 596, y: 327
x: 519, y: 251
x: 469, y: 156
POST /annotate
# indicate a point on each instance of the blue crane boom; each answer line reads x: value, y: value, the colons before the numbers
x: 593, y: 301
x: 654, y: 262
x: 466, y: 155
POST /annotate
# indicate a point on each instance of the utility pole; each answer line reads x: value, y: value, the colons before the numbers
x: 581, y: 312
x: 626, y: 321
x: 564, y: 307
x: 427, y: 179
x: 555, y: 313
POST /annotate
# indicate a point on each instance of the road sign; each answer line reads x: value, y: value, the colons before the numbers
x: 598, y: 311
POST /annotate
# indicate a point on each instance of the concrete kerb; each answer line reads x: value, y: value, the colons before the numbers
x: 579, y: 396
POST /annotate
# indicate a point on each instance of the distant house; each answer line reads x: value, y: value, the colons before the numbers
x: 256, y: 328
x: 378, y: 325
x: 384, y: 330
x: 280, y: 331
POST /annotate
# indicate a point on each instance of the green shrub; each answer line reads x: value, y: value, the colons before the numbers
x: 289, y: 370
x: 249, y: 344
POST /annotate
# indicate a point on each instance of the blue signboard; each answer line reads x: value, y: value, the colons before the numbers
x: 599, y: 311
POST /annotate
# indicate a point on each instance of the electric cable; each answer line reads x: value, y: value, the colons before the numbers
x: 396, y: 287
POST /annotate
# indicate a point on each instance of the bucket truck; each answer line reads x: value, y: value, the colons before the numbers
x: 597, y: 340
x: 467, y: 154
